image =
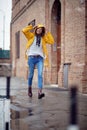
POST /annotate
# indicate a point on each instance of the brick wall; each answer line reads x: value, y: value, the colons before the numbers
x: 73, y: 42
x: 84, y: 80
x: 35, y: 11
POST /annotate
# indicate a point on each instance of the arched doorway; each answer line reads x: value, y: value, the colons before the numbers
x: 56, y: 48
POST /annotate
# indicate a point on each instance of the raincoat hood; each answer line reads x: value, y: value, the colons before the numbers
x: 40, y: 26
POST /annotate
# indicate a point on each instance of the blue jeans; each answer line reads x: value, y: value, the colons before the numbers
x: 32, y: 62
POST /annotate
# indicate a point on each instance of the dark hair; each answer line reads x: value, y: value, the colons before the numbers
x: 43, y: 31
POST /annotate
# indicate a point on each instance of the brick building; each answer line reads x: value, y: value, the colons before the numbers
x: 66, y: 19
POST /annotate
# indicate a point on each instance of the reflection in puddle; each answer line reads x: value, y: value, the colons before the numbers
x: 18, y: 115
x: 30, y: 112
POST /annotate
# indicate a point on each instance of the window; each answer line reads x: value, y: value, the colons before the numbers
x: 17, y: 39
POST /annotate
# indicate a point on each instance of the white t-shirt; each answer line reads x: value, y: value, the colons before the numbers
x: 35, y: 49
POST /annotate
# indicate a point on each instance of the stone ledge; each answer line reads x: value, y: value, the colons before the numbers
x: 5, y: 69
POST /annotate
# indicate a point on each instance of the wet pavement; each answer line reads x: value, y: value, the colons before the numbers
x: 50, y: 113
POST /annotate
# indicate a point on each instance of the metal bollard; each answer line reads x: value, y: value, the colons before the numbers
x: 7, y: 114
x: 7, y: 126
x: 8, y: 88
x: 73, y: 105
x: 73, y: 109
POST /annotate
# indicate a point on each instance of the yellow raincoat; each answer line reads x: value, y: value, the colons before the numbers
x: 46, y: 39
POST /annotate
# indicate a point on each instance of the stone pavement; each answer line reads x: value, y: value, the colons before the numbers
x: 49, y: 113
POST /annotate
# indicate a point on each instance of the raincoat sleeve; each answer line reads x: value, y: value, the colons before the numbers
x: 49, y: 38
x: 27, y: 32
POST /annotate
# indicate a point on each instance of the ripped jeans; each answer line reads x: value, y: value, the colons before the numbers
x: 32, y: 62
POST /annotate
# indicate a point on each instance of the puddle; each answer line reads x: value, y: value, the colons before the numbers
x: 18, y: 112
x: 30, y: 112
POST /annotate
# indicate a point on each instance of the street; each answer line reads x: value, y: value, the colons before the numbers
x: 50, y: 113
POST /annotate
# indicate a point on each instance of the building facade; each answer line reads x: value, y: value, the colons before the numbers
x: 66, y: 19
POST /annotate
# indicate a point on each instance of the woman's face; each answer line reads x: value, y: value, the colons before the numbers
x: 39, y: 30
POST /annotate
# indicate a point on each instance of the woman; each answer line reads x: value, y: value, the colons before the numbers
x: 37, y: 54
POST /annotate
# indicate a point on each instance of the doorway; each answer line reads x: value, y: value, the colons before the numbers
x: 56, y: 48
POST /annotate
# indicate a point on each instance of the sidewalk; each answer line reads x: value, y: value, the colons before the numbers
x: 49, y: 113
